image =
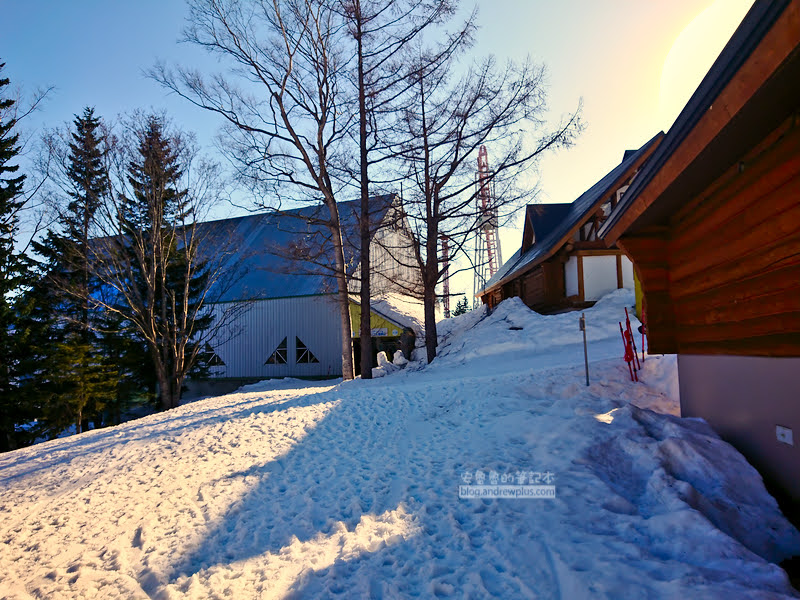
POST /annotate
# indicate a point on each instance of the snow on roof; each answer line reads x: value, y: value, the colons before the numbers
x: 403, y: 310
x: 263, y: 246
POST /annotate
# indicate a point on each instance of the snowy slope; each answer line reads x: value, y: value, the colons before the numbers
x: 351, y: 489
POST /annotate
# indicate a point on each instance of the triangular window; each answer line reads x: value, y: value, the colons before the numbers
x: 304, y: 355
x: 279, y: 356
x: 210, y: 358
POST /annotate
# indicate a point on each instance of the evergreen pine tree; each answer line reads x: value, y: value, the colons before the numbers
x: 461, y: 307
x: 168, y: 276
x: 13, y: 271
x: 82, y: 380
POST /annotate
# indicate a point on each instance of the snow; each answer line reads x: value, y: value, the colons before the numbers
x: 351, y: 489
x: 402, y: 309
x: 385, y: 366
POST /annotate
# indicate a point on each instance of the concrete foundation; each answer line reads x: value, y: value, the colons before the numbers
x: 745, y: 398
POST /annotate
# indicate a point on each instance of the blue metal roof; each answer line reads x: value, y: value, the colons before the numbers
x: 287, y: 253
x: 578, y: 211
x: 543, y: 219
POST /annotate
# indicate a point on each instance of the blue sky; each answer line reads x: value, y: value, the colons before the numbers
x: 610, y: 53
x: 94, y: 52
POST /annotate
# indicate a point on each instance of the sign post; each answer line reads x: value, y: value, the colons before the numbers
x: 582, y: 323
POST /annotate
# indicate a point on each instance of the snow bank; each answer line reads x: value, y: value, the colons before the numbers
x: 660, y: 371
x: 352, y: 489
x: 515, y: 336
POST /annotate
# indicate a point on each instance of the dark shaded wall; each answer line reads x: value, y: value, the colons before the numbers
x: 744, y: 398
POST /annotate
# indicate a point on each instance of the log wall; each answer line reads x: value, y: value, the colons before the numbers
x: 723, y: 277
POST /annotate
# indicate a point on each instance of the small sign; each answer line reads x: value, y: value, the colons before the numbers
x: 377, y: 332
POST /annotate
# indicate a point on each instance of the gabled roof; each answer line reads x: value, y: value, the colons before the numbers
x: 576, y: 214
x: 758, y: 22
x: 262, y: 245
x: 540, y: 220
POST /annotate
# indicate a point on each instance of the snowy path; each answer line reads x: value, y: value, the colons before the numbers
x: 351, y: 490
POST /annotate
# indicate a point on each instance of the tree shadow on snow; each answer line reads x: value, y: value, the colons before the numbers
x: 360, y: 464
x: 164, y: 426
x: 351, y: 464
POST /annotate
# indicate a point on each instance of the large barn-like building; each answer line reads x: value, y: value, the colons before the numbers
x: 287, y: 317
x: 561, y: 263
x: 712, y: 224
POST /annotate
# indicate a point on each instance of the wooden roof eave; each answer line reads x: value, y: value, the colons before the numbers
x: 776, y: 46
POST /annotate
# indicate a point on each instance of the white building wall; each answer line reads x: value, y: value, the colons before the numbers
x: 256, y: 333
x: 599, y: 276
x: 571, y: 276
x: 627, y: 273
x: 392, y: 263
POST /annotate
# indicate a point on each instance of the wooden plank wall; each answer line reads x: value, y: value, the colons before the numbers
x: 534, y: 287
x: 650, y: 255
x: 734, y: 257
x: 554, y: 274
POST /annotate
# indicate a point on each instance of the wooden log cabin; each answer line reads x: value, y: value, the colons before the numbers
x: 712, y: 225
x: 562, y: 264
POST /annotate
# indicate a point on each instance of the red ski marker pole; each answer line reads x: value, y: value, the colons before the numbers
x: 628, y: 357
x: 633, y: 340
x: 632, y: 354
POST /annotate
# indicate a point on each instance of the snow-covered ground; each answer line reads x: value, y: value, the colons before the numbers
x: 351, y: 490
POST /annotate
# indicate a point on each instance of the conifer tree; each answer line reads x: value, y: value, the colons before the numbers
x: 168, y: 279
x: 81, y: 380
x: 13, y: 270
x: 462, y: 307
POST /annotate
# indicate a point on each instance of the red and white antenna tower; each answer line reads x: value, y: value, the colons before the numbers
x: 488, y: 256
x: 446, y: 280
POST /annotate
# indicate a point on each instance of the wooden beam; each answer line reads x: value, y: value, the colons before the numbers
x: 776, y: 46
x: 583, y: 250
x: 619, y: 271
x: 772, y: 345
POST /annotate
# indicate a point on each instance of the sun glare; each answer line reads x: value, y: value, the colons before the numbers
x: 693, y: 53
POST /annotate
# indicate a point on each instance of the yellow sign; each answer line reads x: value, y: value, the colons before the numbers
x: 381, y: 326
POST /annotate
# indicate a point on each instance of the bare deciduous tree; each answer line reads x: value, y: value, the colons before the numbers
x: 384, y: 31
x: 442, y: 131
x: 285, y: 115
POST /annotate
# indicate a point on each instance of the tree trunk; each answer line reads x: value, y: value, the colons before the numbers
x: 430, y: 320
x: 365, y: 296
x: 342, y: 294
x: 430, y: 276
x: 176, y: 395
x: 346, y: 328
x: 164, y: 388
